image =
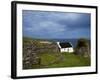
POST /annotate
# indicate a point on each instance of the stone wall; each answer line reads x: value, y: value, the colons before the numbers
x: 31, y: 51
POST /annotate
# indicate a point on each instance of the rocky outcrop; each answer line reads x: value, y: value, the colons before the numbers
x: 83, y: 47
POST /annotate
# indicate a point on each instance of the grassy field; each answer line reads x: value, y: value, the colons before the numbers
x: 49, y: 58
x: 62, y: 60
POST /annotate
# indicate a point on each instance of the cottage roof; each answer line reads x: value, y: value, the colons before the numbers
x: 65, y: 44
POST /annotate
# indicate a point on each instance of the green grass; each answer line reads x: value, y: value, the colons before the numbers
x: 71, y: 60
x: 68, y: 60
x: 47, y: 58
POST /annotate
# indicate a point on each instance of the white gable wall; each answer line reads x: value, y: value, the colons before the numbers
x: 58, y: 45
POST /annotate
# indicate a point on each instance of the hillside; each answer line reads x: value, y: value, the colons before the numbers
x: 39, y: 53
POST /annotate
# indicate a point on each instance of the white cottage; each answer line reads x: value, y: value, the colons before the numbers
x: 65, y: 47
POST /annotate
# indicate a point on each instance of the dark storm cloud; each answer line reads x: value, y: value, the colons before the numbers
x: 56, y: 24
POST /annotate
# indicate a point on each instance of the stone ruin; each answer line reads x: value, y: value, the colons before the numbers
x: 30, y: 57
x: 83, y: 48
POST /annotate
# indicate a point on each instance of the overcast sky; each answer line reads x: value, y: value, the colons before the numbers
x: 59, y: 25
